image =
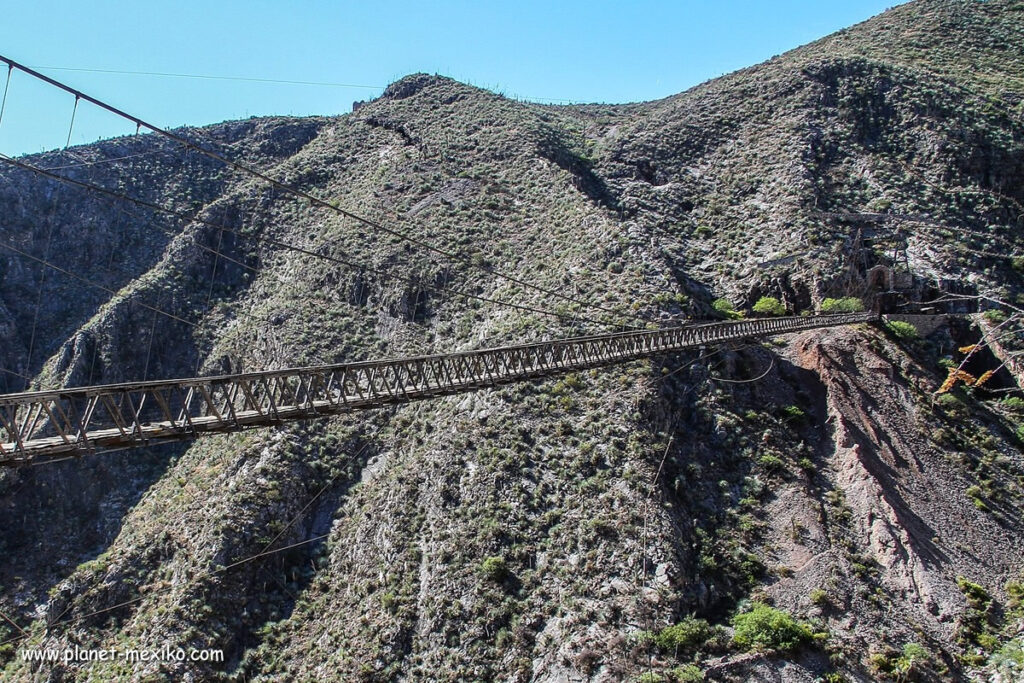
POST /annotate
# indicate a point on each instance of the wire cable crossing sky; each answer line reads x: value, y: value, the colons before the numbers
x: 208, y: 77
x: 195, y: 63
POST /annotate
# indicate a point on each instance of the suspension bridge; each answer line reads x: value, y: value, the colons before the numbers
x: 44, y: 426
x: 53, y: 424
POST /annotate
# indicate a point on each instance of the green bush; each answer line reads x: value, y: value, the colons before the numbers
x: 1009, y: 659
x: 650, y: 677
x: 767, y: 628
x: 977, y: 597
x: 901, y: 667
x: 685, y: 637
x: 977, y: 497
x: 977, y: 625
x: 902, y: 330
x: 1015, y: 593
x: 494, y: 568
x: 793, y: 412
x: 913, y: 659
x: 848, y: 304
x: 881, y: 663
x: 689, y: 673
x: 1014, y: 403
x: 725, y: 308
x: 952, y: 404
x: 769, y: 305
x: 994, y: 315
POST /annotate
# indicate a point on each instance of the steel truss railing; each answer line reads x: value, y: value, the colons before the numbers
x: 67, y: 422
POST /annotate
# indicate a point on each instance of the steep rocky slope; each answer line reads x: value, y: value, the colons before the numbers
x: 545, y: 531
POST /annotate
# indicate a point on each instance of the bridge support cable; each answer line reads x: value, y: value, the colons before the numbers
x: 330, y: 206
x: 53, y: 266
x: 7, y: 86
x: 363, y: 267
x: 45, y: 425
x: 51, y: 221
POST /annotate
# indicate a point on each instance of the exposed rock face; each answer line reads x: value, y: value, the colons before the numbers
x: 907, y: 493
x: 537, y: 531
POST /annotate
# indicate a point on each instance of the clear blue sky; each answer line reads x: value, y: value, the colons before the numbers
x: 578, y: 50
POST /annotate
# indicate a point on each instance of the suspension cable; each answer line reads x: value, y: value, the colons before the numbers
x: 7, y: 85
x: 91, y: 283
x: 282, y: 245
x: 46, y: 250
x: 218, y: 254
x: 314, y: 200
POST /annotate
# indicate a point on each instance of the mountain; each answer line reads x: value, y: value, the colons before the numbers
x: 636, y: 522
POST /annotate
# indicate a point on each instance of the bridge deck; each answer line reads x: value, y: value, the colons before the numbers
x: 75, y: 421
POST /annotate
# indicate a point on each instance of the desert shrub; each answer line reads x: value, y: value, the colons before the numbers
x: 914, y: 657
x: 1009, y: 659
x: 977, y: 597
x: 685, y: 637
x: 976, y: 624
x: 977, y: 497
x: 902, y: 330
x: 769, y: 305
x: 881, y: 663
x: 690, y: 673
x: 494, y: 569
x: 650, y: 677
x: 792, y: 412
x: 767, y: 628
x: 1014, y: 403
x: 848, y: 304
x: 901, y: 666
x: 1015, y: 593
x: 994, y: 315
x: 725, y: 308
x: 952, y: 404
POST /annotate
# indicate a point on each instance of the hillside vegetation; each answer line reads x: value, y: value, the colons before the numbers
x: 800, y: 509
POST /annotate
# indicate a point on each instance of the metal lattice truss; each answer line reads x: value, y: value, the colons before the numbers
x: 56, y: 424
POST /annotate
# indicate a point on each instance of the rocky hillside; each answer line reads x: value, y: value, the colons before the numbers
x: 800, y: 509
